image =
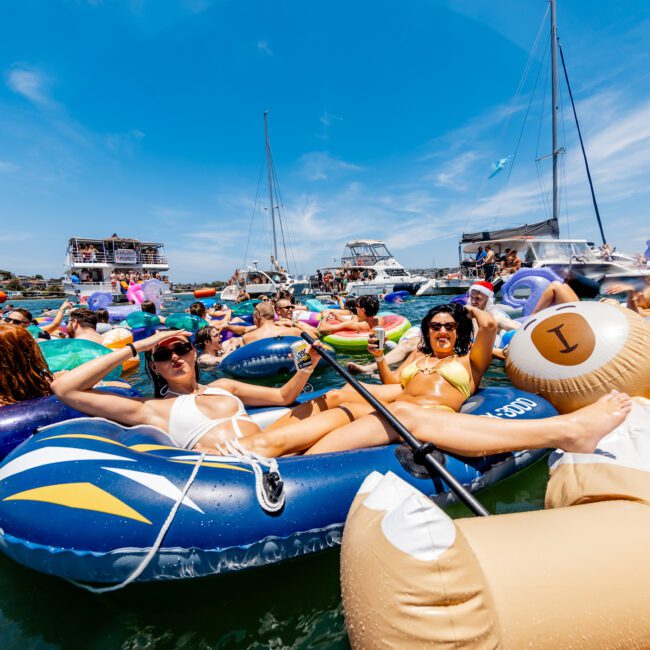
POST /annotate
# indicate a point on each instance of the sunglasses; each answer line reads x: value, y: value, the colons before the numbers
x: 449, y: 327
x: 14, y: 321
x: 284, y: 307
x: 165, y: 354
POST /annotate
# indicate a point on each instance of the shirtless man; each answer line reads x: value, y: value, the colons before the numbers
x: 264, y: 326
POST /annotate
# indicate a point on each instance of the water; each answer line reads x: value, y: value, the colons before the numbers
x: 293, y: 605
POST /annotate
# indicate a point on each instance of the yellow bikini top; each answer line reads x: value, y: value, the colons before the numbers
x: 454, y: 372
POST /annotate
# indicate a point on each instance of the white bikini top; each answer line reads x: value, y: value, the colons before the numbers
x: 187, y: 424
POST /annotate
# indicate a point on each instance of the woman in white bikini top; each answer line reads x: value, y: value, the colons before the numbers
x: 193, y: 415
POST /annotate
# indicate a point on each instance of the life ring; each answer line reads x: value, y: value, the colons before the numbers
x: 190, y: 322
x: 351, y: 341
x: 142, y: 319
x: 397, y: 296
x: 207, y: 292
x: 99, y: 300
x: 411, y: 577
x: 120, y: 337
x: 66, y: 354
x: 536, y: 280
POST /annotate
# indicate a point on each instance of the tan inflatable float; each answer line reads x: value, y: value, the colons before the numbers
x: 565, y: 577
x: 574, y: 353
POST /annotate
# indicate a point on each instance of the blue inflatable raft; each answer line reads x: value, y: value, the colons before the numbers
x: 92, y: 501
x: 263, y: 358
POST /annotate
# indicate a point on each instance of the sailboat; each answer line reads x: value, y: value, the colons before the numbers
x: 539, y: 244
x: 259, y: 280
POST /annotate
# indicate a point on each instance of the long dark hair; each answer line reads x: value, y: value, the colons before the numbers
x: 463, y: 333
x: 160, y: 385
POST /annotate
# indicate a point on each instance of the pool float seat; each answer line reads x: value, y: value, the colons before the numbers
x: 106, y: 490
x: 574, y: 575
x: 351, y: 341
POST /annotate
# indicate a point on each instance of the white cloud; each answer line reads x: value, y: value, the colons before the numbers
x: 263, y: 46
x: 31, y: 84
x: 320, y: 166
x: 453, y: 174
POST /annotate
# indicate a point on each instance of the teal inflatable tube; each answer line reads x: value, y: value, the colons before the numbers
x: 66, y: 354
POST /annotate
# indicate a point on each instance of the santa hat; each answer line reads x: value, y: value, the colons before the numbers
x: 483, y: 287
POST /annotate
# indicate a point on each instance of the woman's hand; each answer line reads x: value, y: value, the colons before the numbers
x: 144, y: 345
x: 471, y: 311
x: 313, y: 353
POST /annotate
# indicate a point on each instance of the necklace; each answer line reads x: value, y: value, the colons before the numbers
x: 429, y: 370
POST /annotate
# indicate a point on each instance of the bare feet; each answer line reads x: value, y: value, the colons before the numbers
x: 357, y: 368
x: 586, y: 426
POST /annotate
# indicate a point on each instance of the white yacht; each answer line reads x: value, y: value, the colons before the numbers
x: 95, y: 264
x: 371, y: 269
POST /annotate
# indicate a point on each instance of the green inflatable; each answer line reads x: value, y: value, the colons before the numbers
x: 66, y: 354
x: 245, y: 308
x: 142, y: 319
x: 188, y: 322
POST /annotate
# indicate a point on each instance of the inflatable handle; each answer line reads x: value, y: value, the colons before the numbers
x: 535, y: 279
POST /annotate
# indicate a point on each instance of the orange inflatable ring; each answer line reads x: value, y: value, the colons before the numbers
x: 117, y: 338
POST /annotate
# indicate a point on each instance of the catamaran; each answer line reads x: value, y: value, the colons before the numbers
x: 267, y: 280
x: 538, y: 244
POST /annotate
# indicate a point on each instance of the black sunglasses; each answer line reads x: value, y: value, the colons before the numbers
x: 450, y: 327
x: 165, y: 354
x: 284, y: 307
x: 15, y: 322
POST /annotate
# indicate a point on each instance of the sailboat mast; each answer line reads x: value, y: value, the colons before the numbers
x: 554, y: 108
x: 268, y: 165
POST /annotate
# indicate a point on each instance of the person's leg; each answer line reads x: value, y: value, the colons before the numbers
x: 471, y: 435
x: 337, y: 397
x: 557, y: 293
x: 301, y: 435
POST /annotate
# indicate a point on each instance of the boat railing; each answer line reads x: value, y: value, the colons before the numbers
x: 118, y: 257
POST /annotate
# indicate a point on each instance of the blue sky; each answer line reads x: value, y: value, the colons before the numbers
x: 146, y: 118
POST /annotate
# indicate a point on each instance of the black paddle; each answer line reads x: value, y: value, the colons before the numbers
x: 422, y: 452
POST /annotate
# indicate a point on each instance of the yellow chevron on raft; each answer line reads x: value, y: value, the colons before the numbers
x: 574, y: 575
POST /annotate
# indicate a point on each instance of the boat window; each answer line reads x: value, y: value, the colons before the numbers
x: 395, y: 273
x: 562, y: 251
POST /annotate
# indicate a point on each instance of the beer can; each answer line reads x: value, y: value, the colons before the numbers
x: 300, y: 354
x: 380, y: 335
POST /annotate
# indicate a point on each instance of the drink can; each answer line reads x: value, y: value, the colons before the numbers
x: 380, y: 335
x: 301, y: 358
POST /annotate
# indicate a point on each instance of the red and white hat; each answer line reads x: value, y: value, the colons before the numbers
x: 484, y: 287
